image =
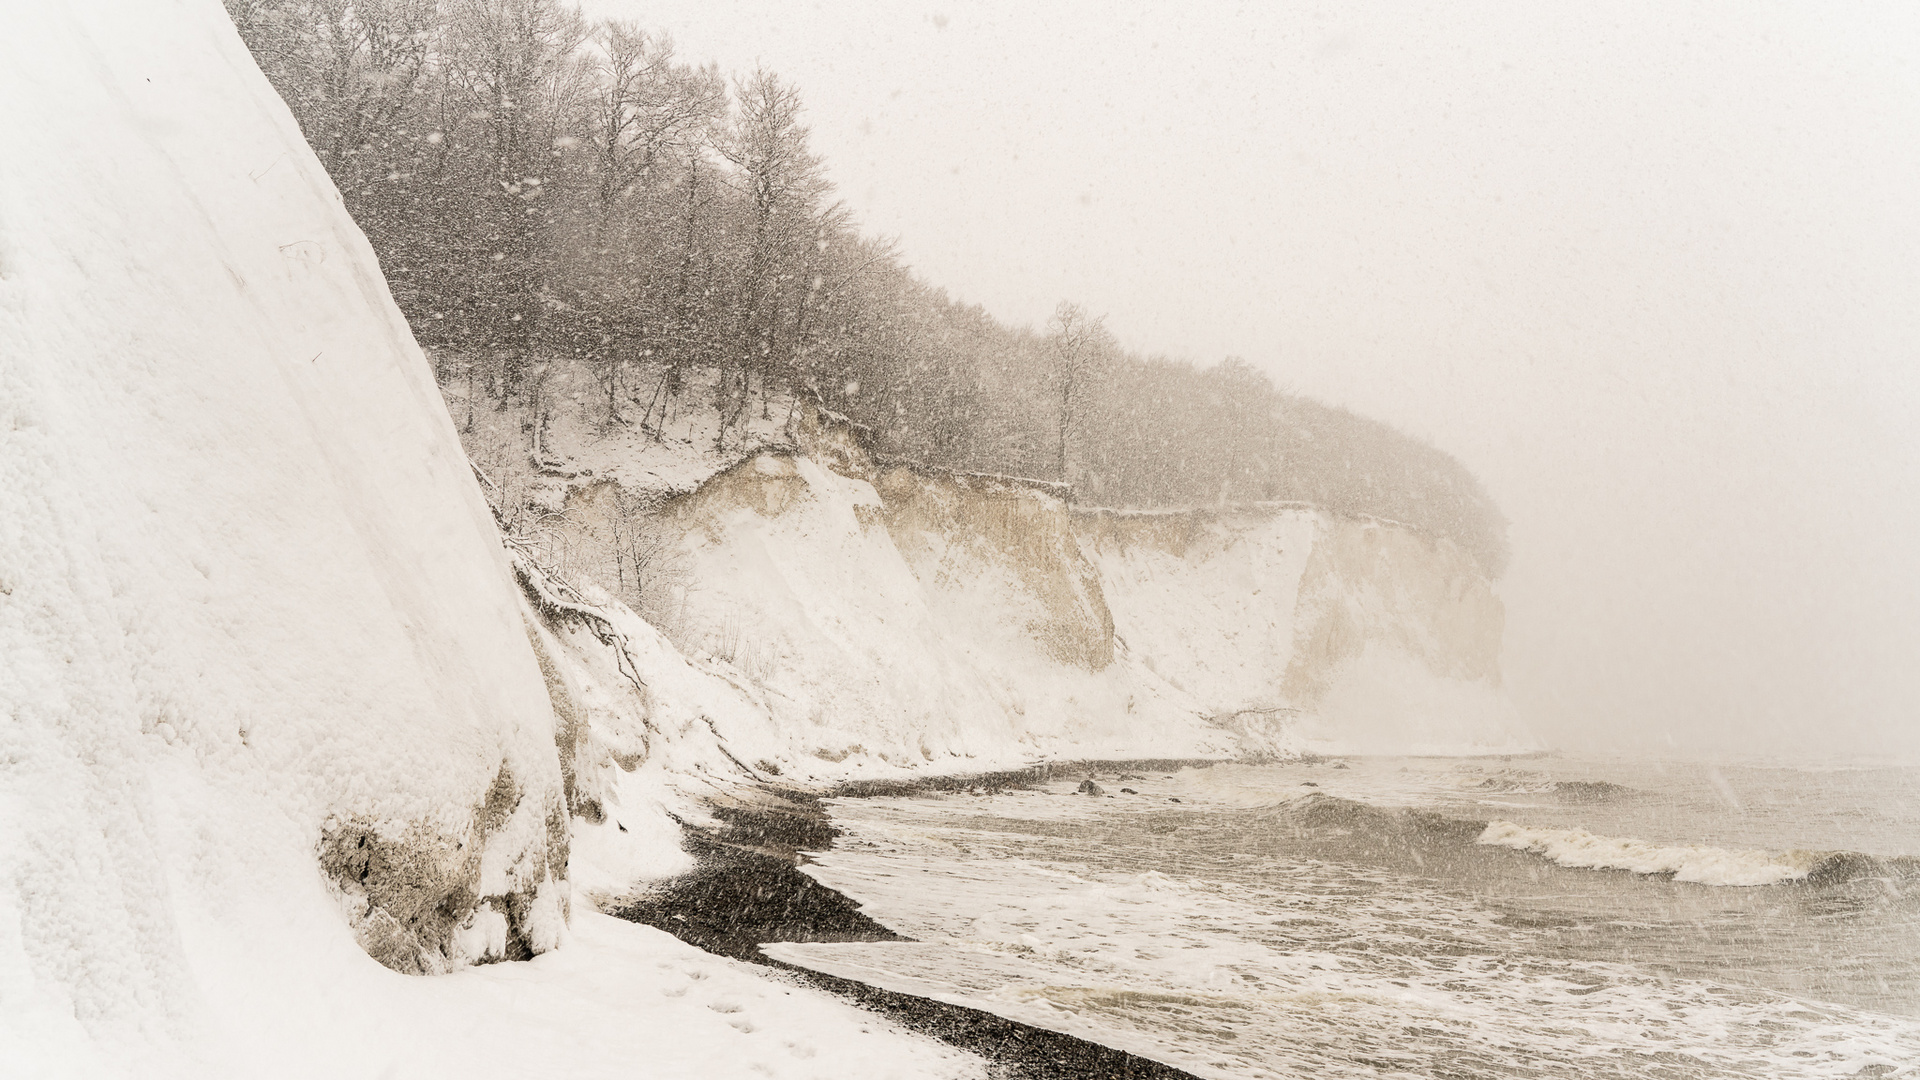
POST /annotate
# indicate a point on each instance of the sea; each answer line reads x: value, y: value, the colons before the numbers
x: 1548, y: 916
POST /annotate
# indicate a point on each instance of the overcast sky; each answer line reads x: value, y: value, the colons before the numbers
x: 1651, y: 270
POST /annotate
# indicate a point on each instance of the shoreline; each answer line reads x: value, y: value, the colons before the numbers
x: 1029, y: 776
x: 747, y: 889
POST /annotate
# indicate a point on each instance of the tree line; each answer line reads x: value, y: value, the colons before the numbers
x: 541, y: 188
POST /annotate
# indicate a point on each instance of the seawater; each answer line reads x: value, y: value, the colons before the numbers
x: 1539, y: 917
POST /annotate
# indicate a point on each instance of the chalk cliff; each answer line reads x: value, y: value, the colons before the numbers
x: 874, y: 616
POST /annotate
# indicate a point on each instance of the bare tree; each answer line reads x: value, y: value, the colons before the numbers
x: 784, y: 184
x: 649, y: 121
x: 646, y: 108
x: 351, y: 67
x: 1078, y: 342
x: 510, y: 60
x: 543, y: 194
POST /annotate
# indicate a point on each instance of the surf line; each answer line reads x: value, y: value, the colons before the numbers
x: 747, y: 890
x: 1696, y: 863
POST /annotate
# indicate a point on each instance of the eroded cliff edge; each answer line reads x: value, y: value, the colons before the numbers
x: 850, y: 616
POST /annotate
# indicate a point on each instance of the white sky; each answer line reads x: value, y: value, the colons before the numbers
x: 1651, y: 270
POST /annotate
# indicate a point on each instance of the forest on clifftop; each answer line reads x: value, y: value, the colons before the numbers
x: 542, y: 188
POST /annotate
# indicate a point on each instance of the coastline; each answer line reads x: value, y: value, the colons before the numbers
x: 747, y: 889
x: 1029, y: 776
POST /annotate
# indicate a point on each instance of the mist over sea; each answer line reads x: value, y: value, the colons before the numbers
x: 1550, y: 916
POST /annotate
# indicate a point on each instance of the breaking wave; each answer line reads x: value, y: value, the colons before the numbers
x: 1699, y: 863
x: 1295, y: 932
x: 1572, y: 791
x: 1331, y: 816
x: 1590, y: 790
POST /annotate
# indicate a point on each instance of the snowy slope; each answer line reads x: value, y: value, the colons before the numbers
x: 247, y: 545
x: 268, y: 702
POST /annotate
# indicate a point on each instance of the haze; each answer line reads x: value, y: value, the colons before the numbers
x: 1651, y: 271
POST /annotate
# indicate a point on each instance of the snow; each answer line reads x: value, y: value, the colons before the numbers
x: 619, y: 1001
x: 885, y: 635
x: 871, y: 619
x: 242, y: 535
x: 1207, y: 602
x: 256, y: 623
x: 275, y: 707
x: 670, y: 456
x: 1348, y: 635
x: 866, y: 617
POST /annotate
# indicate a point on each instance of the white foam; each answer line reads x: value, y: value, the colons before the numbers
x: 1698, y: 863
x: 1243, y: 966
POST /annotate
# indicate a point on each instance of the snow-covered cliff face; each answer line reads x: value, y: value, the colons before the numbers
x: 982, y: 543
x: 896, y: 618
x: 1359, y: 636
x: 874, y: 616
x: 261, y: 660
x: 270, y: 700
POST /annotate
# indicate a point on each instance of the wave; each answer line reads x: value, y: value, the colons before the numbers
x: 1330, y: 815
x: 1572, y: 791
x: 1590, y: 790
x: 1699, y: 863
